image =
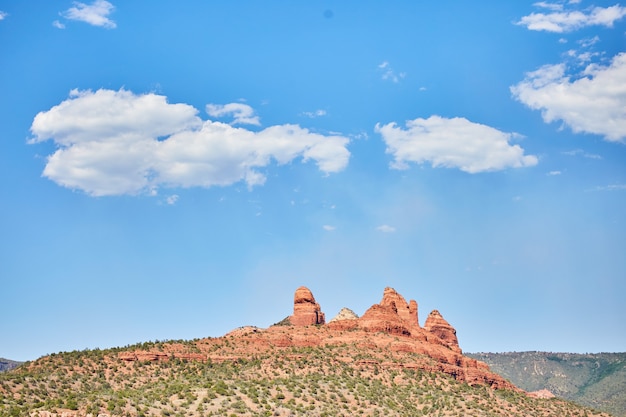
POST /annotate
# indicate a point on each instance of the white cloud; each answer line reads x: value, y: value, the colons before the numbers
x: 594, y: 103
x: 452, y: 143
x: 386, y: 228
x: 553, y: 173
x: 328, y: 228
x: 586, y: 56
x: 314, y: 114
x: 172, y: 199
x: 241, y: 113
x: 389, y: 73
x: 3, y: 15
x: 95, y: 13
x: 585, y: 53
x: 116, y: 142
x: 567, y: 21
x: 611, y: 187
x: 58, y: 24
x: 588, y: 42
x: 580, y: 152
x: 549, y: 6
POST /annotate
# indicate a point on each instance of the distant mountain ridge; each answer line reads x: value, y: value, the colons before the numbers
x: 596, y: 380
x: 7, y: 364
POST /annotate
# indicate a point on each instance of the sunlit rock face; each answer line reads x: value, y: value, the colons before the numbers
x: 437, y: 325
x: 306, y: 311
x: 344, y: 314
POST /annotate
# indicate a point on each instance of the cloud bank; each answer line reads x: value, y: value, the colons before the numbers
x: 560, y: 21
x: 594, y: 103
x: 117, y: 142
x: 452, y: 143
x: 95, y: 14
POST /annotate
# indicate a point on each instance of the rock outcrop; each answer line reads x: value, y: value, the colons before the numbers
x: 306, y: 311
x: 437, y: 325
x: 542, y: 393
x: 344, y: 314
x: 395, y: 316
x: 384, y: 317
x: 406, y: 311
x: 389, y: 332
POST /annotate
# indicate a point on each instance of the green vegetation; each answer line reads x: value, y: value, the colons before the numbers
x: 284, y: 322
x: 309, y: 381
x: 596, y: 380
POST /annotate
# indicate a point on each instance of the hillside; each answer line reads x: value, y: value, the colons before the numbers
x: 7, y: 364
x: 597, y: 379
x: 383, y: 363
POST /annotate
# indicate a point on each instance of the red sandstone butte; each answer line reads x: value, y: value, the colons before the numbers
x: 306, y: 311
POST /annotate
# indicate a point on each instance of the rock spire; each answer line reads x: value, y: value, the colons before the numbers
x: 437, y: 325
x: 406, y: 311
x: 306, y: 311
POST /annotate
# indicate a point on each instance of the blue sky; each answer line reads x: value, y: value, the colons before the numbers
x: 176, y: 172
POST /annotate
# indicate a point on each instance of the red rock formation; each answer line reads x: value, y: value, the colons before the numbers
x: 386, y: 330
x: 437, y: 325
x: 384, y: 318
x: 344, y: 314
x: 393, y: 315
x: 305, y: 310
x: 406, y: 312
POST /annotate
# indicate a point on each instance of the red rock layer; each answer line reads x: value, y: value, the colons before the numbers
x: 152, y: 356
